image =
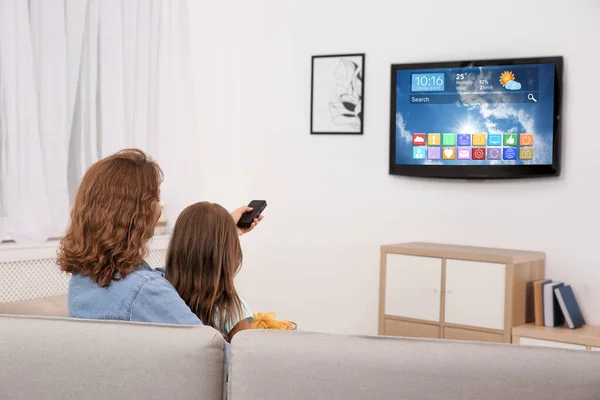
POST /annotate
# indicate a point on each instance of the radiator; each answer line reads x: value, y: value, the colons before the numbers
x: 30, y: 272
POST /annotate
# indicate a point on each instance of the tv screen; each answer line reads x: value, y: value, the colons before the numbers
x: 476, y: 119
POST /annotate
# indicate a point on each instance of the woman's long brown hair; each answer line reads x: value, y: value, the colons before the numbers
x: 113, y: 217
x: 203, y: 257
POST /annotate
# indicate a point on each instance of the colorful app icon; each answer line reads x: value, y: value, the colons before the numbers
x: 510, y: 139
x: 478, y: 154
x: 494, y: 139
x: 494, y: 153
x: 526, y: 139
x: 419, y: 139
x: 464, y: 139
x: 478, y: 139
x: 449, y: 139
x: 433, y: 139
x: 449, y: 153
x: 464, y: 153
x: 509, y: 153
x: 526, y: 153
x: 434, y: 153
x: 419, y: 153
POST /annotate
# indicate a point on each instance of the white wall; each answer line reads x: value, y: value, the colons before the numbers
x: 331, y: 201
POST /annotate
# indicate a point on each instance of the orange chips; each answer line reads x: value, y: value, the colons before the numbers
x: 268, y: 321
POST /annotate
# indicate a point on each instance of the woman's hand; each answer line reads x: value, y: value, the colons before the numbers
x: 237, y: 214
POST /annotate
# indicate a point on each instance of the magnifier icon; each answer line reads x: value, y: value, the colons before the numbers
x: 530, y: 97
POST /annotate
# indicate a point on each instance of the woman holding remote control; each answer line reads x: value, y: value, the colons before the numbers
x: 113, y: 218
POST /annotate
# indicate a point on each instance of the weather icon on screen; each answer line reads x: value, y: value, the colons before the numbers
x: 508, y: 80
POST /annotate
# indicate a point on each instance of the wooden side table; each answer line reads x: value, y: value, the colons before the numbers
x: 584, y: 338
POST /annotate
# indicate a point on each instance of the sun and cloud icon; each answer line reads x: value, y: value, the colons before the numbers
x: 507, y: 79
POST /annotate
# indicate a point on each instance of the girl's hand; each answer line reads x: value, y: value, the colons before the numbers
x: 240, y: 326
x: 237, y: 214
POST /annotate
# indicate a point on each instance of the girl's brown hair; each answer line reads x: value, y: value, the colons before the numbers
x: 203, y: 257
x: 113, y: 217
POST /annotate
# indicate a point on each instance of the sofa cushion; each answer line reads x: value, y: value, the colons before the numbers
x: 55, y: 306
x: 288, y: 365
x: 42, y: 358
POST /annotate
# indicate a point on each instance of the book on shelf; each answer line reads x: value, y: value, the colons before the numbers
x: 553, y: 315
x: 569, y: 306
x: 538, y: 300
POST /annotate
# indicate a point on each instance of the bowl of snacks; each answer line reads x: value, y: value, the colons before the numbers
x: 269, y: 321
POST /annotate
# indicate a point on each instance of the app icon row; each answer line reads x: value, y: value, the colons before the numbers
x: 472, y: 153
x: 475, y: 139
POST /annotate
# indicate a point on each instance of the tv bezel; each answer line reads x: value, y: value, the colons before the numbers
x: 480, y: 171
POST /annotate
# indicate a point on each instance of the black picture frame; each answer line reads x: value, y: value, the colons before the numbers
x: 481, y: 171
x: 316, y: 128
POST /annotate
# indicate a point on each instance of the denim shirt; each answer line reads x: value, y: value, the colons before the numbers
x: 142, y: 296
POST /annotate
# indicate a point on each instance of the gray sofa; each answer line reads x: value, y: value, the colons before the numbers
x: 273, y: 365
x: 69, y: 359
x: 57, y: 358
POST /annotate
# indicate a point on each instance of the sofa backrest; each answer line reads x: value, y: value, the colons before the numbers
x: 80, y: 359
x: 269, y: 365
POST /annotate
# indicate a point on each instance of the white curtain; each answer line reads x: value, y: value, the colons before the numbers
x: 79, y: 80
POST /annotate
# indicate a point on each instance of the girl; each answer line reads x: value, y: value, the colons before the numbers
x: 204, y: 256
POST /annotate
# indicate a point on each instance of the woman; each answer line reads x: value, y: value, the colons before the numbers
x: 113, y: 218
x: 204, y: 256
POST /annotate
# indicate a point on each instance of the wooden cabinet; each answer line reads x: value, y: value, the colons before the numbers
x: 475, y: 294
x: 399, y: 327
x: 456, y: 292
x: 476, y: 335
x: 585, y: 338
x: 413, y: 287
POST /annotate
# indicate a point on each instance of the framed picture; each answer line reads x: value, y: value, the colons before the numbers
x: 337, y: 94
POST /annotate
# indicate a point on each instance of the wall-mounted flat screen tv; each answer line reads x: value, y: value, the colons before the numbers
x: 476, y: 119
